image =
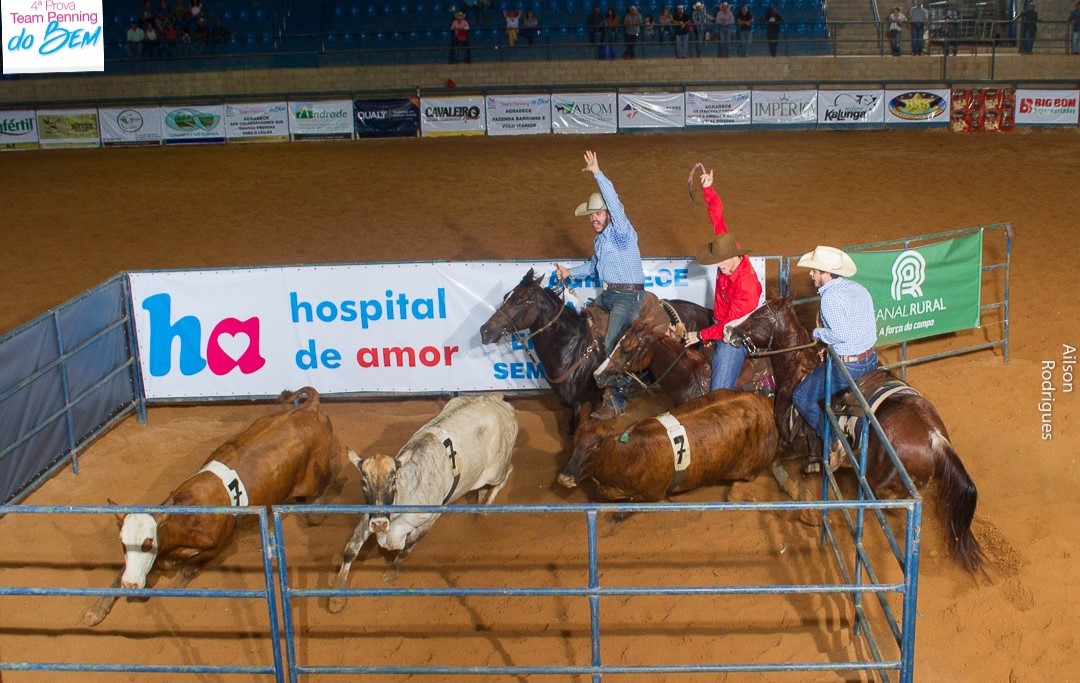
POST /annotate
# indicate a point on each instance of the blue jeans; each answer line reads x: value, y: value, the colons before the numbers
x: 918, y: 31
x: 810, y: 392
x: 623, y: 308
x: 724, y: 35
x: 745, y: 38
x: 727, y: 362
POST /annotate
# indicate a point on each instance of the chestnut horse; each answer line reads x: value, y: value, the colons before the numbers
x: 909, y: 421
x: 683, y: 373
x: 563, y: 340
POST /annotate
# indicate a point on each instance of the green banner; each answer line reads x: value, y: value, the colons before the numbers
x: 924, y: 291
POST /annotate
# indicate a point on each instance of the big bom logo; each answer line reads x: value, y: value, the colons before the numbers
x: 231, y: 344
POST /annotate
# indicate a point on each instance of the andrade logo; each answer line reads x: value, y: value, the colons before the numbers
x: 232, y: 343
x: 908, y: 275
x: 191, y: 120
x: 917, y: 106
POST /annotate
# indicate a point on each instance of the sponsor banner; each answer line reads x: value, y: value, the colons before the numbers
x: 52, y: 36
x: 18, y: 129
x: 130, y: 125
x: 372, y: 328
x: 584, y: 113
x: 257, y: 122
x: 68, y: 128
x: 784, y: 107
x: 718, y: 108
x: 923, y: 291
x: 1047, y: 107
x: 518, y: 114
x: 452, y: 116
x: 183, y: 125
x: 653, y: 110
x: 326, y: 119
x: 917, y: 107
x: 979, y: 110
x: 386, y: 118
x: 850, y: 107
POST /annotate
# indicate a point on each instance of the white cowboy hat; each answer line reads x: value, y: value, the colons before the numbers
x: 595, y: 203
x: 828, y: 260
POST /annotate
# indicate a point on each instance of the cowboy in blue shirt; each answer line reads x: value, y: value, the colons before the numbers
x: 849, y: 326
x: 616, y: 262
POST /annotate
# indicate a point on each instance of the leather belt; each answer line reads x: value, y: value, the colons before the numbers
x: 862, y: 356
x: 622, y: 288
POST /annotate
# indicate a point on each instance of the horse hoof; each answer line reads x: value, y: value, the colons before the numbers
x: 568, y: 481
x: 335, y: 605
x: 93, y: 618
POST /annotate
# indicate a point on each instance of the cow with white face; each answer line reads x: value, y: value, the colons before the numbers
x: 290, y: 455
x: 465, y: 448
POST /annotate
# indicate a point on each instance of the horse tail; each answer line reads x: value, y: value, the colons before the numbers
x: 958, y: 497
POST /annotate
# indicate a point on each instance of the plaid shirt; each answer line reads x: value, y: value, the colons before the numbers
x: 616, y: 257
x: 848, y: 313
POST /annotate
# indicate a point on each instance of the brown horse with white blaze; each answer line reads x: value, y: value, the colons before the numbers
x: 910, y: 423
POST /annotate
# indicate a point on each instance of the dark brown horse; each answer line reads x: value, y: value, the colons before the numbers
x: 683, y: 373
x: 562, y: 339
x: 909, y: 421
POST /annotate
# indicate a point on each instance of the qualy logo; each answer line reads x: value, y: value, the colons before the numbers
x: 231, y: 344
x: 908, y: 275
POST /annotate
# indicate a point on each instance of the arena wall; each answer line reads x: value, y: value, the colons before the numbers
x: 1003, y: 68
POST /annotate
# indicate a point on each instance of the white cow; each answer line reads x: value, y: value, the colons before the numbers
x: 464, y: 448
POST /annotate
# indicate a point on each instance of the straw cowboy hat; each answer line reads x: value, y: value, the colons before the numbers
x: 828, y: 260
x: 595, y: 203
x: 720, y: 249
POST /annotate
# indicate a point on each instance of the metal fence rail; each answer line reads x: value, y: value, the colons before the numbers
x: 266, y: 595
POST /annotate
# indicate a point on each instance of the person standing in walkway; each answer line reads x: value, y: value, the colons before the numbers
x: 631, y: 30
x: 1029, y: 24
x: 917, y: 18
x: 725, y: 25
x: 952, y: 29
x: 1074, y: 19
x: 459, y: 39
x: 744, y: 22
x: 896, y: 20
x: 700, y: 19
x: 772, y: 21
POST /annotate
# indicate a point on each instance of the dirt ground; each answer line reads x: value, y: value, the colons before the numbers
x: 74, y: 218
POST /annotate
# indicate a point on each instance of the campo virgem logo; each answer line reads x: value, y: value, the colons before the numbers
x: 189, y: 120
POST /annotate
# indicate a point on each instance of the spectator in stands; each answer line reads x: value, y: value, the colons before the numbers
x: 135, y: 37
x: 1074, y: 18
x: 201, y: 38
x: 611, y: 30
x: 163, y: 15
x: 631, y: 30
x: 151, y: 41
x: 183, y: 44
x: 219, y: 34
x: 169, y: 37
x: 666, y: 21
x: 1029, y: 24
x: 917, y: 17
x: 684, y: 25
x: 459, y: 39
x: 701, y: 21
x: 951, y: 30
x: 648, y: 29
x: 744, y: 23
x: 181, y: 15
x: 896, y: 21
x: 530, y: 28
x: 725, y: 25
x: 146, y: 13
x: 513, y: 22
x: 772, y: 21
x: 595, y: 24
x: 196, y: 10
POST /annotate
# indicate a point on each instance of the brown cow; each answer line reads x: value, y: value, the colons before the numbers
x: 721, y: 436
x: 293, y: 454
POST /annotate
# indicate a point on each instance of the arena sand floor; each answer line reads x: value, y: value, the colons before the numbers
x: 74, y: 218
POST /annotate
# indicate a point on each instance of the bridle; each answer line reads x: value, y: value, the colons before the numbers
x: 774, y: 318
x: 523, y: 308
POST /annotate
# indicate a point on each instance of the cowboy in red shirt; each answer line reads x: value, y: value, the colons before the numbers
x: 738, y: 292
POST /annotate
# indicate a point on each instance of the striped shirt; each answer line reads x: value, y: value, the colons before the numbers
x: 848, y: 313
x: 616, y: 257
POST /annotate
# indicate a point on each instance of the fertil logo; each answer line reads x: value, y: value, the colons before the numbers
x: 231, y: 344
x: 908, y: 275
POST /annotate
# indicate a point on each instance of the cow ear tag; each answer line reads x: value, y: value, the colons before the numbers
x: 625, y: 436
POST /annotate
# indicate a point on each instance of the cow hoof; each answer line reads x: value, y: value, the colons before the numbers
x: 335, y: 605
x: 390, y: 575
x: 621, y: 515
x: 568, y: 481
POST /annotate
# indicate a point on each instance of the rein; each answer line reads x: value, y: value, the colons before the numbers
x: 774, y: 319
